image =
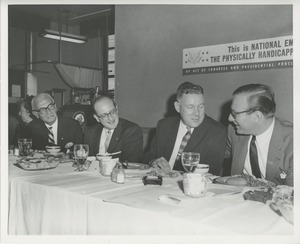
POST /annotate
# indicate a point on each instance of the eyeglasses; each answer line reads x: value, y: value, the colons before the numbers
x: 51, y: 106
x: 234, y: 114
x: 113, y: 112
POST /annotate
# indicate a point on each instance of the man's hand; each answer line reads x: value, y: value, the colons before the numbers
x: 161, y: 164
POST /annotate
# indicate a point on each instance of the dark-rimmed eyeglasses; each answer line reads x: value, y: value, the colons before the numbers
x: 105, y: 115
x: 234, y: 114
x: 50, y: 107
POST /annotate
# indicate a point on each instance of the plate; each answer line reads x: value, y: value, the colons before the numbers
x: 35, y: 164
x: 219, y: 189
x: 136, y: 166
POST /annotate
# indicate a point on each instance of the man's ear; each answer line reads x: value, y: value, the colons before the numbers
x: 258, y: 116
x: 35, y: 114
x: 177, y: 106
x: 96, y: 118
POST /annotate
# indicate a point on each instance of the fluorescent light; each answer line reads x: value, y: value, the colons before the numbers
x: 63, y: 36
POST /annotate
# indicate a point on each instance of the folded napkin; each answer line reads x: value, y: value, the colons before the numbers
x: 182, y: 200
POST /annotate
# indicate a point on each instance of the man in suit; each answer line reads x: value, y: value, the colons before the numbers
x: 254, y: 126
x: 113, y: 134
x: 206, y: 136
x: 49, y: 128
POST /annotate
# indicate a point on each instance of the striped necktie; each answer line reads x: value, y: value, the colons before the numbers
x: 254, y: 158
x: 185, y: 139
x: 107, y: 141
x: 50, y: 136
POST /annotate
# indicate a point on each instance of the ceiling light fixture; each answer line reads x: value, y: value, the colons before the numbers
x: 56, y: 35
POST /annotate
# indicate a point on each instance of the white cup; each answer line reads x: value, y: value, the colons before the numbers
x: 194, y: 184
x: 106, y: 165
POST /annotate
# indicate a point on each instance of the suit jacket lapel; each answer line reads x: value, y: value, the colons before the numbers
x: 171, y: 138
x: 274, y: 152
x: 116, y: 136
x: 96, y: 137
x: 196, y: 137
x: 59, y: 131
x: 242, y: 149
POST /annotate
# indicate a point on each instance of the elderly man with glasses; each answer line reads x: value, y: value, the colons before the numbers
x: 49, y: 128
x: 113, y: 134
x: 259, y: 143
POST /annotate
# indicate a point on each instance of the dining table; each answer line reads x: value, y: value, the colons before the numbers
x: 63, y: 201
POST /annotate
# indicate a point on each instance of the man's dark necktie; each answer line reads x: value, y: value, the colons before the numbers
x: 185, y: 139
x: 50, y: 136
x: 254, y: 158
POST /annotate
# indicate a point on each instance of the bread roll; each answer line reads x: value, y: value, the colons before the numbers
x: 237, y: 181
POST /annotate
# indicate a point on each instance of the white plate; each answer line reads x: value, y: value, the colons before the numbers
x: 219, y: 189
x: 37, y: 164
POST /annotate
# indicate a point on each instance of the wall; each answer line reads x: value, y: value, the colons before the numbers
x: 149, y: 44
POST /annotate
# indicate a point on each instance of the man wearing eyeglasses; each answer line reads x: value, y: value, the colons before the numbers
x: 259, y: 143
x: 113, y: 134
x: 51, y: 129
x: 189, y: 131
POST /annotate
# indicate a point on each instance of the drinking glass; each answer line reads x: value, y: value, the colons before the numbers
x: 190, y: 160
x: 81, y: 152
x: 24, y: 145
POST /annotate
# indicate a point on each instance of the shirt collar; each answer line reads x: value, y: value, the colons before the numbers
x: 267, y: 133
x: 54, y: 125
x: 182, y: 126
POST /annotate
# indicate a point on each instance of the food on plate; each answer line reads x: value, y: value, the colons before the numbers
x: 283, y: 201
x: 159, y: 172
x: 139, y: 166
x: 29, y: 163
x: 237, y: 181
x: 245, y: 180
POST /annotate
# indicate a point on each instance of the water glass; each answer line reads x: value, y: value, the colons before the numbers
x: 81, y: 153
x: 24, y: 145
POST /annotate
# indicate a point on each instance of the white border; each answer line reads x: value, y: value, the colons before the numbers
x: 139, y: 239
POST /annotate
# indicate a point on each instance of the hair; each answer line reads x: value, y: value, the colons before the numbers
x: 41, y: 95
x: 26, y: 102
x: 99, y: 98
x: 188, y: 88
x: 261, y: 98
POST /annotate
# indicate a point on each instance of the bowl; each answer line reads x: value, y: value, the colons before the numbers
x: 202, y: 168
x: 52, y: 149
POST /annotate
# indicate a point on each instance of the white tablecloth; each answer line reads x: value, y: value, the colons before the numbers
x: 63, y: 201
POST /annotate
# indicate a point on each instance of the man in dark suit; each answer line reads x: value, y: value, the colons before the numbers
x: 63, y: 130
x: 113, y: 134
x: 207, y: 137
x: 252, y: 117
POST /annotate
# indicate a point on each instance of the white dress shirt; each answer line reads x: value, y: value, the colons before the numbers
x: 262, y: 145
x: 54, y: 129
x: 103, y: 139
x: 182, y: 130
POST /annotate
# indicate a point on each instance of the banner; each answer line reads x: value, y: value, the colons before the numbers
x: 271, y: 53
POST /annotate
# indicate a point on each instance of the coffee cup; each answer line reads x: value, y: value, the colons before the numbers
x: 106, y: 165
x: 194, y: 184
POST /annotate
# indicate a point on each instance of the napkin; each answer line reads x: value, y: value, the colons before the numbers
x: 182, y: 200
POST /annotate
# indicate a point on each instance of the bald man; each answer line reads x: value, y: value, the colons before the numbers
x: 113, y: 134
x: 64, y: 130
